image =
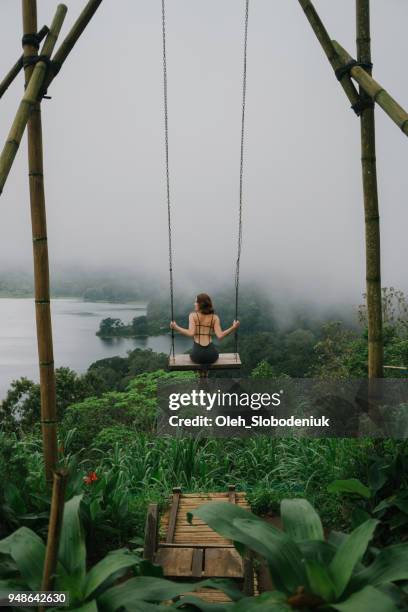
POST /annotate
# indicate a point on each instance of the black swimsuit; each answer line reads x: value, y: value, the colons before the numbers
x: 204, y: 354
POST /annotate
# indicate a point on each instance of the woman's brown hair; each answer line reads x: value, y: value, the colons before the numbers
x: 205, y: 304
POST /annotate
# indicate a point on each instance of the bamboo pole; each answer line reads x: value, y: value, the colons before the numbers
x: 32, y: 113
x: 71, y: 38
x: 32, y: 93
x: 328, y: 47
x: 376, y: 91
x: 54, y: 529
x: 15, y: 70
x: 371, y: 209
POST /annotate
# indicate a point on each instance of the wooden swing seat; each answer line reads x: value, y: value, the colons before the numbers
x: 225, y: 361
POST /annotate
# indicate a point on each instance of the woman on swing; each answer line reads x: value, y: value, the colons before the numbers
x: 202, y: 324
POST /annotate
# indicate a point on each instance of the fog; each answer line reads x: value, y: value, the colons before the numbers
x: 104, y: 147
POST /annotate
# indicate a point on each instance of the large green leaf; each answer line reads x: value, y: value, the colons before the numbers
x: 337, y: 537
x: 320, y: 581
x: 150, y: 589
x: 5, y: 545
x: 72, y: 551
x: 352, y: 485
x: 400, y: 501
x: 349, y: 553
x: 11, y: 586
x: 28, y: 551
x: 321, y: 552
x: 283, y: 555
x: 199, y: 605
x: 108, y: 567
x: 138, y: 606
x: 90, y: 606
x: 367, y: 600
x: 14, y: 499
x: 8, y: 566
x: 267, y: 602
x: 390, y: 565
x: 300, y: 520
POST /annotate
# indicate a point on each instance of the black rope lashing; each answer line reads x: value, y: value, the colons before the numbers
x: 241, y: 172
x: 31, y: 40
x: 166, y: 146
x: 346, y: 69
x: 362, y: 105
x: 31, y: 60
x: 34, y: 39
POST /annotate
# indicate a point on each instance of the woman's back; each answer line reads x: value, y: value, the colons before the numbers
x: 204, y: 327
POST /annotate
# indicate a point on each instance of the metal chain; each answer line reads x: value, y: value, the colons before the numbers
x: 166, y: 144
x: 241, y: 171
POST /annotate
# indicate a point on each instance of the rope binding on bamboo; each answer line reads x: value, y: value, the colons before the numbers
x: 35, y: 38
x: 362, y: 104
x: 343, y: 70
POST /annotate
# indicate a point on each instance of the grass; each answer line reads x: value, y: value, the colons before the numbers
x: 267, y: 469
x: 144, y: 469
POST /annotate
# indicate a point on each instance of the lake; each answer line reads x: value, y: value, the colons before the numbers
x: 75, y: 324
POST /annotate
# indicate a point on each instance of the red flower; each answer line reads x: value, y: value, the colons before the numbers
x: 90, y: 478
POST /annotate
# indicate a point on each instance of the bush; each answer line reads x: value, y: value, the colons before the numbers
x: 135, y: 408
x: 110, y: 436
x: 308, y: 571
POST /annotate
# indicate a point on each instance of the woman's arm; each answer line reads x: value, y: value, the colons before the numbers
x: 182, y: 330
x: 219, y: 332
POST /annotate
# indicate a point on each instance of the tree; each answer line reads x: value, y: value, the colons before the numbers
x: 21, y: 407
x: 109, y: 327
x: 140, y: 326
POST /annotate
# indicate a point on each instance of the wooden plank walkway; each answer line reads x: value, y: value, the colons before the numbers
x: 194, y: 551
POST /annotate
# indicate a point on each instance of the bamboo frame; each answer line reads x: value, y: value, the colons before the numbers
x: 363, y: 106
x: 32, y: 115
x: 37, y: 80
x: 328, y: 48
x: 15, y: 70
x: 30, y: 97
x: 376, y: 91
x: 41, y: 83
x: 371, y: 208
x: 71, y: 38
x: 54, y: 529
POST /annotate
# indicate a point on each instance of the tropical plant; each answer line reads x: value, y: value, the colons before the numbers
x: 22, y: 559
x: 120, y: 581
x: 386, y: 494
x: 309, y: 572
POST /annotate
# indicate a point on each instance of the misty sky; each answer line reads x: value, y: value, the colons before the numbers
x: 104, y: 153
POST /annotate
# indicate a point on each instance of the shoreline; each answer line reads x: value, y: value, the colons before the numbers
x: 76, y: 298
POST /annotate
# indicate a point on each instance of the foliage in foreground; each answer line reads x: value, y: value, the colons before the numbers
x: 384, y: 497
x: 309, y: 572
x: 134, y: 469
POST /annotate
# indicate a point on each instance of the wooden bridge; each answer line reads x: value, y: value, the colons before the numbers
x: 194, y: 551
